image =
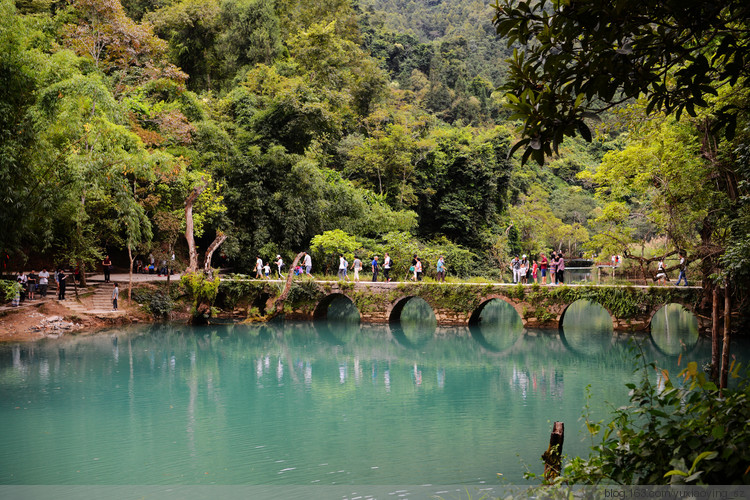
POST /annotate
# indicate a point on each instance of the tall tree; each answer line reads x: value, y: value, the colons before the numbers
x: 582, y: 58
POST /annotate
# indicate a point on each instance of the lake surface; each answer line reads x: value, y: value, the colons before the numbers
x: 333, y: 403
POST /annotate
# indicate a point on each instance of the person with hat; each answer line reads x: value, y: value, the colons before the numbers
x: 279, y: 264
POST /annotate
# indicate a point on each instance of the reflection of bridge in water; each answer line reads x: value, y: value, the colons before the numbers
x: 622, y: 307
x: 499, y: 330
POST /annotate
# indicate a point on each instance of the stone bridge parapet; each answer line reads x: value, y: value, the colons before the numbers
x: 460, y: 304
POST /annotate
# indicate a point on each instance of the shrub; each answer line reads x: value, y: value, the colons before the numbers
x: 202, y: 291
x: 685, y: 432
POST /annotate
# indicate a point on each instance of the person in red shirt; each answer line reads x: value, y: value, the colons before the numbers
x: 543, y: 266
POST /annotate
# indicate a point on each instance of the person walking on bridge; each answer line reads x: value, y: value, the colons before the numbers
x: 342, y: 266
x: 387, y: 262
x: 683, y: 267
x: 357, y: 267
x: 307, y: 263
x: 441, y: 269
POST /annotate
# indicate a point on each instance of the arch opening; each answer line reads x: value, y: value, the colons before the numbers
x: 674, y: 329
x: 337, y: 307
x: 336, y: 319
x: 586, y: 328
x: 496, y: 325
x: 260, y: 302
x: 412, y: 321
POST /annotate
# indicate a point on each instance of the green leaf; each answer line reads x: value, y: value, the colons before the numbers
x: 708, y: 455
x: 676, y: 472
x: 718, y: 432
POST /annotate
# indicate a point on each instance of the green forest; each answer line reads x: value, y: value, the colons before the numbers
x: 360, y: 127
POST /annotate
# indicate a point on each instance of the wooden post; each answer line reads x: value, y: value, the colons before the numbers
x: 715, y: 335
x: 553, y: 456
x: 725, y: 347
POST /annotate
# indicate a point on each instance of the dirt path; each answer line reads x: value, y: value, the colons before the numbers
x: 49, y: 319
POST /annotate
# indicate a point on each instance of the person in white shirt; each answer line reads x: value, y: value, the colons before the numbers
x: 307, y: 263
x: 342, y: 266
x: 279, y: 265
x: 43, y: 282
x: 258, y: 267
x: 387, y: 267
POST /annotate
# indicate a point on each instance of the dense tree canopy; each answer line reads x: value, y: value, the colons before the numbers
x: 292, y: 119
x: 684, y: 172
x: 581, y: 58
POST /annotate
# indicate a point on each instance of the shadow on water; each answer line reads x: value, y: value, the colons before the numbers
x: 497, y: 327
x: 674, y: 330
x: 416, y: 324
x: 586, y: 329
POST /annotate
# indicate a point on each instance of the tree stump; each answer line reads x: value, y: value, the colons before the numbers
x: 553, y: 456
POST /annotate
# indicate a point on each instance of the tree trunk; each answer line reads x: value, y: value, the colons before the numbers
x: 725, y: 347
x: 553, y: 456
x: 130, y: 273
x: 279, y: 304
x: 197, y: 190
x: 80, y: 265
x: 220, y: 237
x: 715, y: 335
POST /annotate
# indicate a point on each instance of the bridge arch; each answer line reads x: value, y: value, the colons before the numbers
x: 561, y: 317
x: 322, y: 308
x: 500, y: 329
x: 397, y: 308
x: 420, y: 325
x: 475, y: 316
x: 674, y: 328
x: 592, y: 332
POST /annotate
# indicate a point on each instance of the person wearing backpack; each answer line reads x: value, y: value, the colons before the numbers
x: 441, y: 269
x: 387, y: 263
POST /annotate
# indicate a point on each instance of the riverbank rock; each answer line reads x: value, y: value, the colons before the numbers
x: 55, y: 326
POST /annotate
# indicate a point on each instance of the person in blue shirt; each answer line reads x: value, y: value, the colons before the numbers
x: 441, y: 269
x: 375, y: 268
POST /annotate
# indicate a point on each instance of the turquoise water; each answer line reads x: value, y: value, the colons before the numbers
x: 333, y: 403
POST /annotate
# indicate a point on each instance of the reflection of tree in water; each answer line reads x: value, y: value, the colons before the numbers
x: 498, y: 327
x: 417, y: 322
x: 674, y: 329
x: 587, y: 328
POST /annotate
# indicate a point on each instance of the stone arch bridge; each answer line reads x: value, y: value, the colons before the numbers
x: 460, y: 304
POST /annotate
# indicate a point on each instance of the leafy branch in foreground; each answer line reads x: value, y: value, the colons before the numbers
x: 681, y: 430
